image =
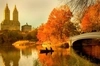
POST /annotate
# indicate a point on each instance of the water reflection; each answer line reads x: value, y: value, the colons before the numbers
x: 29, y: 57
x: 16, y: 57
x: 58, y: 58
x: 79, y: 56
x: 10, y: 56
x: 89, y: 48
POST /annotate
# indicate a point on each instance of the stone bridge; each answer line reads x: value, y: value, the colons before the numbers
x: 83, y: 36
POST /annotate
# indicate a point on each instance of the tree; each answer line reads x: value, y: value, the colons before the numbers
x: 91, y: 19
x: 53, y: 30
x: 31, y: 35
x: 70, y: 29
x: 77, y: 7
x: 10, y: 36
x: 41, y: 35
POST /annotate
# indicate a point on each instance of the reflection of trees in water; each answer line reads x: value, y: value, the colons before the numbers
x: 29, y: 57
x: 10, y: 54
x: 60, y: 57
x: 81, y: 61
x: 46, y: 60
x: 89, y: 49
x: 92, y: 49
x: 37, y: 63
x: 27, y: 52
x: 64, y: 59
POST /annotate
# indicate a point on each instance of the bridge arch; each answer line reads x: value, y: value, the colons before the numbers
x: 91, y: 35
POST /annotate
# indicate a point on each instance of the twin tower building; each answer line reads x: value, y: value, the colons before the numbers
x: 13, y: 24
x: 8, y: 24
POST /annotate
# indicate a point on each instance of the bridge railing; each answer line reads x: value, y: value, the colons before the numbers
x: 84, y: 36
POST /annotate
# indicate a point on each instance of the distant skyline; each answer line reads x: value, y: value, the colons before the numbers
x: 33, y: 12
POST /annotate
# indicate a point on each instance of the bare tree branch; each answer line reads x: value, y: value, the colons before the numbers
x: 77, y: 7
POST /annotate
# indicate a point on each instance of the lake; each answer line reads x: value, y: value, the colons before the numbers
x: 78, y: 55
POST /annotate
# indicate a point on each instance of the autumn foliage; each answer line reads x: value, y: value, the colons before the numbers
x: 91, y: 19
x: 53, y: 30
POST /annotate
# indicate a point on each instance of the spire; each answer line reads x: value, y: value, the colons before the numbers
x: 15, y: 14
x: 7, y: 9
x: 15, y: 9
x: 7, y: 13
x: 26, y: 23
x: 7, y: 4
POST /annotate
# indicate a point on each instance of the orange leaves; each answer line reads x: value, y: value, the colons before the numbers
x: 54, y: 26
x: 86, y: 23
x: 60, y: 14
x: 91, y: 19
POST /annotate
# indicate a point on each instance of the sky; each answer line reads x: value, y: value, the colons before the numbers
x: 33, y: 12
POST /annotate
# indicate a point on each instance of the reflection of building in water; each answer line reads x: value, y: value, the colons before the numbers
x: 1, y: 61
x: 26, y: 28
x: 27, y: 52
x: 29, y: 58
x: 10, y: 56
